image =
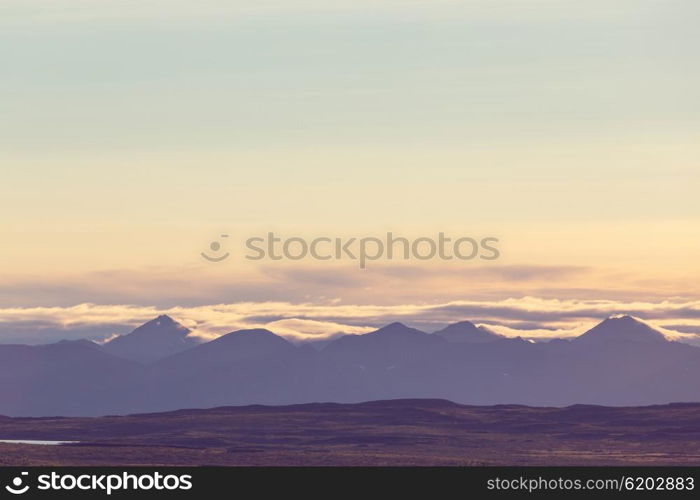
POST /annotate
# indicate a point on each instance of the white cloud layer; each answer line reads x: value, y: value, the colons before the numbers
x: 527, y: 317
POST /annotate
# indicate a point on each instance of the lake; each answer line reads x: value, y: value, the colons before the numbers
x: 34, y: 441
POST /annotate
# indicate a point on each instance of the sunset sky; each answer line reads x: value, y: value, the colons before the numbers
x: 134, y: 133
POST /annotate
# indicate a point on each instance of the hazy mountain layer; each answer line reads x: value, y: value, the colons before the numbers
x: 622, y: 361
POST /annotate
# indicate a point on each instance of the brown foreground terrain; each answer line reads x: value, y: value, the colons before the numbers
x: 397, y: 432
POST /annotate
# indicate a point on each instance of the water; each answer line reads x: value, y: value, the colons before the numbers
x: 34, y: 441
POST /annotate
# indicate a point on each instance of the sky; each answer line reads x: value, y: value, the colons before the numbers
x: 134, y: 133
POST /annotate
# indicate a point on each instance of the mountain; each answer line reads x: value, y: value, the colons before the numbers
x: 242, y: 367
x: 321, y: 343
x: 388, y: 346
x: 154, y: 340
x: 392, y: 338
x: 621, y: 329
x: 242, y: 345
x: 466, y: 331
x: 65, y: 378
x: 390, y: 362
x: 621, y: 361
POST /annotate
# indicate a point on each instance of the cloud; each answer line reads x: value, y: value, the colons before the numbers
x: 307, y: 329
x: 527, y: 317
x: 517, y: 273
x: 383, y: 283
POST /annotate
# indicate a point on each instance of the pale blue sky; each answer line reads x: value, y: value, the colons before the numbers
x: 458, y: 74
x: 133, y: 131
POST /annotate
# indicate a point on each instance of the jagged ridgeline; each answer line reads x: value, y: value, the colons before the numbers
x: 159, y: 366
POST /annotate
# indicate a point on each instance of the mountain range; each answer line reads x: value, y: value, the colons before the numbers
x: 159, y: 366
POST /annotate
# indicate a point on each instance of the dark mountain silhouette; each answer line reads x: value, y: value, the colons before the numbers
x: 65, y: 378
x: 466, y: 331
x: 321, y: 343
x: 387, y: 343
x: 621, y: 361
x: 386, y: 363
x: 247, y: 366
x: 234, y: 346
x: 621, y: 329
x: 151, y: 341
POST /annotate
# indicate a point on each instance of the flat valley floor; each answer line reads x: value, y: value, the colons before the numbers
x: 380, y: 433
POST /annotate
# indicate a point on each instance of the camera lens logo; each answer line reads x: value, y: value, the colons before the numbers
x: 16, y: 487
x: 215, y: 247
